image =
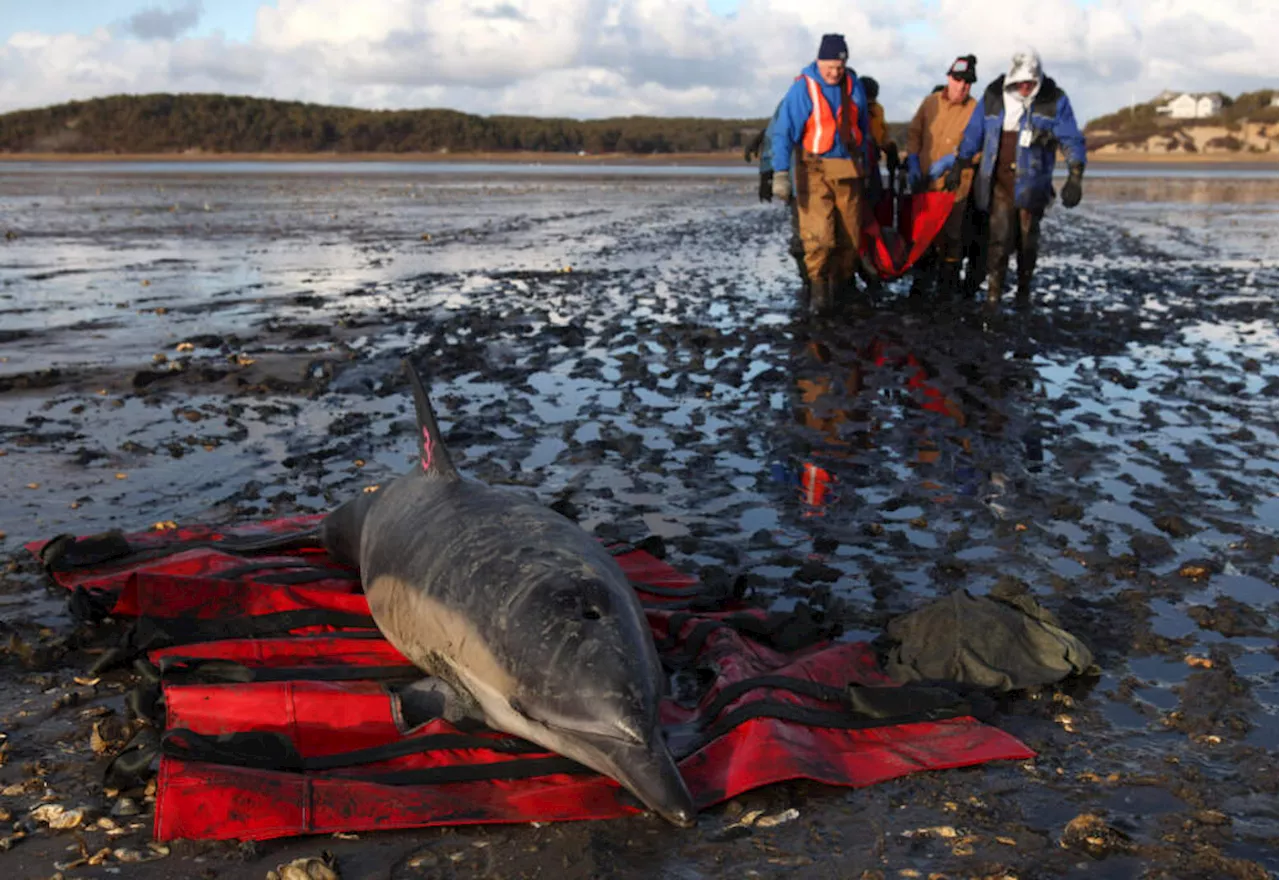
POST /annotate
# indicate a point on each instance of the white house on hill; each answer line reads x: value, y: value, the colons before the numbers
x: 1192, y: 106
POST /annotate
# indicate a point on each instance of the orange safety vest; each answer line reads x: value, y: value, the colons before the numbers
x: 820, y: 130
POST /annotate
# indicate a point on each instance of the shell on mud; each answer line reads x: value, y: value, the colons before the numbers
x: 1089, y: 833
x: 125, y: 807
x: 946, y: 832
x: 313, y: 868
x: 58, y: 817
x: 778, y: 818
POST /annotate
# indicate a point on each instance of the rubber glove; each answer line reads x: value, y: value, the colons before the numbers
x: 891, y: 160
x: 952, y: 182
x: 914, y: 178
x: 766, y: 186
x: 942, y: 166
x: 1071, y: 190
x: 782, y: 186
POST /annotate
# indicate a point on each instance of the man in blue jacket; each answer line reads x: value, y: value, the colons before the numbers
x: 823, y: 120
x: 1022, y: 121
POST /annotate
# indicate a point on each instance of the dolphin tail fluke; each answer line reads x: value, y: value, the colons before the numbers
x: 432, y: 453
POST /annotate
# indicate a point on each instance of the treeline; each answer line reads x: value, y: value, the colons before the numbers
x: 228, y: 124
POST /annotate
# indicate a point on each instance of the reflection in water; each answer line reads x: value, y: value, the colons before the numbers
x: 906, y: 404
x: 815, y: 485
x: 1198, y: 190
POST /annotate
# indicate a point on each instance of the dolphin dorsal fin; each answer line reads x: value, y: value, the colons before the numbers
x: 432, y: 454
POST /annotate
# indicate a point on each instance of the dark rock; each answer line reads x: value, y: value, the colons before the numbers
x: 654, y: 546
x: 566, y: 508
x: 84, y: 457
x: 206, y: 340
x: 1231, y: 618
x: 143, y: 378
x: 950, y: 569
x: 1150, y: 548
x: 814, y: 571
x: 1064, y: 508
x: 1214, y: 701
x: 825, y: 544
x: 1175, y: 525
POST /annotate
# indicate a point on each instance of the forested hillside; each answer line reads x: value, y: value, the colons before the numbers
x: 228, y: 124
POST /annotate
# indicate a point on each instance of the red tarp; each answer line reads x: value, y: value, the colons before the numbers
x: 753, y: 735
x: 896, y: 247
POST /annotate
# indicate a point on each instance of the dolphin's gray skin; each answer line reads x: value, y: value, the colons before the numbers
x: 518, y: 607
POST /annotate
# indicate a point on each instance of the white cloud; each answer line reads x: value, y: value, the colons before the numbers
x: 590, y: 58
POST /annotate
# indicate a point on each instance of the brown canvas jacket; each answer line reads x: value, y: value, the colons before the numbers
x: 936, y: 130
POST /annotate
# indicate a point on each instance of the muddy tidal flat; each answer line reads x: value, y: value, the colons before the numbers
x: 223, y: 347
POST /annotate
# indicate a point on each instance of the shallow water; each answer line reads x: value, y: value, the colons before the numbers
x: 671, y: 167
x: 629, y: 346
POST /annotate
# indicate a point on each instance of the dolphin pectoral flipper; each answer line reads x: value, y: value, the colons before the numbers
x: 341, y: 530
x: 430, y: 698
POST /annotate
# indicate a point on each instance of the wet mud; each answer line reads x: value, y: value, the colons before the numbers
x: 217, y: 348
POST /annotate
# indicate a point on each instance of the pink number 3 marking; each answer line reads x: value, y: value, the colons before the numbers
x: 426, y: 450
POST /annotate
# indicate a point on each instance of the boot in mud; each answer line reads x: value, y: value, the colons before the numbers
x: 924, y: 275
x: 870, y: 276
x: 995, y: 287
x: 821, y: 299
x: 949, y: 281
x: 921, y: 285
x: 1022, y: 299
x: 1026, y: 265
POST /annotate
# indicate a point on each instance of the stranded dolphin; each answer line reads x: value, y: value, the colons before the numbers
x: 517, y: 607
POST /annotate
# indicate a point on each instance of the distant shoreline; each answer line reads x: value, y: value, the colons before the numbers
x: 1187, y: 158
x: 537, y: 158
x: 516, y: 156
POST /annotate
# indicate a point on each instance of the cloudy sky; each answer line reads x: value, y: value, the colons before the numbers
x: 593, y: 58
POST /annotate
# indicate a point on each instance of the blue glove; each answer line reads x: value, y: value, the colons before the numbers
x: 914, y: 177
x: 942, y: 166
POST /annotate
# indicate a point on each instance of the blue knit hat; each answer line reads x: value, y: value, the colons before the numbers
x: 833, y: 48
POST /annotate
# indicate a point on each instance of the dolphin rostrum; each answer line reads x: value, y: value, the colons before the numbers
x: 517, y: 607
